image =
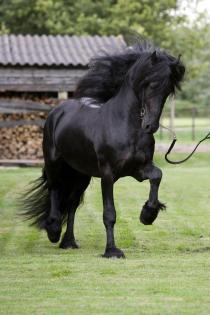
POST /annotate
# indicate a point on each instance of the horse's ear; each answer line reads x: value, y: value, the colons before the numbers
x: 179, y: 57
x: 178, y: 71
x: 154, y: 57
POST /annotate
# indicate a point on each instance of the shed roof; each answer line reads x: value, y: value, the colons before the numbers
x: 28, y: 50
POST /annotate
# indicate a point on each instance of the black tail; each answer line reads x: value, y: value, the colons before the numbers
x: 35, y: 203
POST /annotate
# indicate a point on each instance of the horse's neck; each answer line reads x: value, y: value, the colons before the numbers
x: 126, y: 105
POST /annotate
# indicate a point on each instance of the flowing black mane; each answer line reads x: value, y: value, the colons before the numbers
x: 107, y: 73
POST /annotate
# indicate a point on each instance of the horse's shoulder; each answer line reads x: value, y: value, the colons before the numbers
x: 69, y: 105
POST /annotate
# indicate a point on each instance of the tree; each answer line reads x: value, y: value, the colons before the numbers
x: 193, y: 42
x: 149, y: 18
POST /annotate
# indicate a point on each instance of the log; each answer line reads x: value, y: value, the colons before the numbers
x: 22, y: 122
x: 22, y: 106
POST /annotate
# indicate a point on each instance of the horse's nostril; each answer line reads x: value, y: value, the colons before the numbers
x: 147, y: 127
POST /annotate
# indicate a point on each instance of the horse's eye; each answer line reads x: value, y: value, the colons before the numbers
x: 153, y: 85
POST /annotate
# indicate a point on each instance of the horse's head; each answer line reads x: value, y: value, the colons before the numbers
x: 153, y: 78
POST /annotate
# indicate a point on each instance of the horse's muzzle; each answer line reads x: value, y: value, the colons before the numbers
x: 150, y: 128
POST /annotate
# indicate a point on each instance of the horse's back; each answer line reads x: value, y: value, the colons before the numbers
x: 69, y: 107
x: 52, y: 121
x: 69, y: 134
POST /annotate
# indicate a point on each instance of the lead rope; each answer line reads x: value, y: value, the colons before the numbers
x: 173, y: 143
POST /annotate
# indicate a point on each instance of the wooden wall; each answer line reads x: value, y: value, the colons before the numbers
x: 39, y: 79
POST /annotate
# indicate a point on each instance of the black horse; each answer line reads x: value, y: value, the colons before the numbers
x: 106, y: 131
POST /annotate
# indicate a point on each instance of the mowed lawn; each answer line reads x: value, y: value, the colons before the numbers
x: 167, y: 265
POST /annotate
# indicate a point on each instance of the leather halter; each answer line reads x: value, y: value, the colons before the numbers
x: 143, y: 108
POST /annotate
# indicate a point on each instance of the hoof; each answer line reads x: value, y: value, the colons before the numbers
x: 113, y: 253
x: 149, y: 214
x: 53, y: 231
x: 65, y: 244
x: 54, y: 237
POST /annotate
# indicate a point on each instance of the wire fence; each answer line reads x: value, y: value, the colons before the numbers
x: 190, y: 125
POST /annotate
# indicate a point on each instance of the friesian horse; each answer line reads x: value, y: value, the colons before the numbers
x: 105, y: 131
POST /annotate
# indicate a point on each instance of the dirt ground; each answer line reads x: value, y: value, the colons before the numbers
x: 182, y: 148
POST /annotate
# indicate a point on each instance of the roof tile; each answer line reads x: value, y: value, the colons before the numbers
x: 55, y: 50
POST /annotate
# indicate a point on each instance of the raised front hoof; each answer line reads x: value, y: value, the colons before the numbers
x: 149, y: 214
x: 113, y: 253
x: 68, y: 244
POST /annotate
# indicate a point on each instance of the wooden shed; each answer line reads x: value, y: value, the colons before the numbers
x: 49, y: 63
x: 36, y: 71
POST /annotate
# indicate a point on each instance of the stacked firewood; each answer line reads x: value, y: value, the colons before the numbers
x: 21, y: 135
x: 21, y: 142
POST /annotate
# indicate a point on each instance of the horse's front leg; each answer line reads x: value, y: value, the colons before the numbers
x: 152, y: 206
x: 109, y: 213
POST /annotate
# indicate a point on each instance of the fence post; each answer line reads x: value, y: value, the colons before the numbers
x: 63, y: 95
x: 172, y: 113
x: 193, y: 111
x: 161, y: 131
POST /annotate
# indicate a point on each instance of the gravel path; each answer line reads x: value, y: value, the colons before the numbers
x: 185, y: 148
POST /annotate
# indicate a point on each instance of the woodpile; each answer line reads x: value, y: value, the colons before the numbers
x: 21, y: 134
x: 21, y: 142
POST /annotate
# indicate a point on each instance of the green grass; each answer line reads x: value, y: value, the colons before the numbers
x: 187, y: 121
x: 167, y: 269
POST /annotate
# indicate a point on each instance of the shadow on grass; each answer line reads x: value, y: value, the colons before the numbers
x: 195, y: 250
x: 201, y: 250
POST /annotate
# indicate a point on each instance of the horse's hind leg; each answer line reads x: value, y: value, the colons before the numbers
x: 60, y: 181
x: 58, y: 194
x: 53, y: 222
x: 81, y: 182
x: 152, y: 206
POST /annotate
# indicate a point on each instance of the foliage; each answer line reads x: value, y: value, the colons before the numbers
x: 193, y: 42
x: 87, y: 17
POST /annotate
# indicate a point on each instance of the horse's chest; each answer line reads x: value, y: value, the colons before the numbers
x: 128, y: 161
